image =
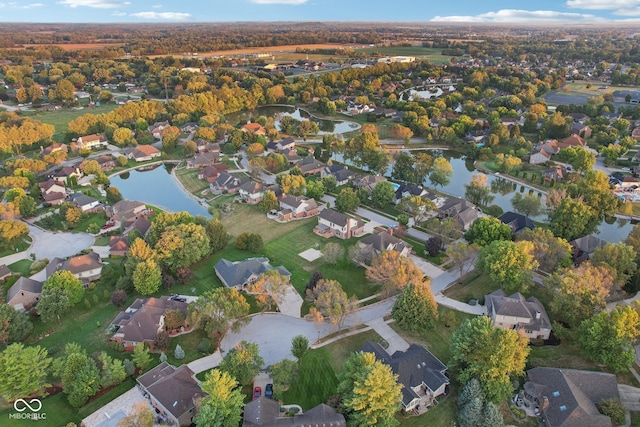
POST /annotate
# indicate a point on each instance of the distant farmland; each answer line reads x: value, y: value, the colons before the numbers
x: 432, y: 54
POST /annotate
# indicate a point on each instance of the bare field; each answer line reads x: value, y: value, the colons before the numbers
x: 271, y: 49
x: 78, y: 46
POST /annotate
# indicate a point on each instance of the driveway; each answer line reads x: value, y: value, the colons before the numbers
x: 629, y: 396
x: 395, y: 341
x: 291, y: 303
x: 427, y: 268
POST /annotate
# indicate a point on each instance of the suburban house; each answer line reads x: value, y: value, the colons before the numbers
x: 92, y: 141
x: 142, y: 153
x: 255, y: 128
x: 87, y: 267
x: 293, y: 207
x: 173, y: 392
x: 140, y: 225
x: 342, y: 173
x: 333, y: 223
x: 189, y: 127
x: 54, y: 148
x: 53, y: 191
x: 204, y: 146
x: 581, y: 130
x: 368, y: 182
x: 142, y: 320
x: 106, y: 162
x: 578, y: 118
x: 118, y: 245
x: 226, y: 183
x: 557, y: 173
x: 211, y: 172
x: 463, y: 211
x: 239, y: 274
x: 310, y: 166
x: 5, y: 272
x: 23, y: 294
x: 85, y: 203
x: 126, y: 211
x: 477, y: 135
x: 265, y: 412
x: 516, y: 312
x: 421, y: 374
x: 292, y: 156
x: 251, y: 192
x: 203, y: 159
x: 410, y: 190
x: 550, y: 146
x: 157, y: 128
x: 583, y: 247
x: 284, y: 145
x: 572, y: 141
x: 539, y: 156
x: 64, y: 173
x: 384, y: 241
x: 568, y: 397
x: 516, y: 222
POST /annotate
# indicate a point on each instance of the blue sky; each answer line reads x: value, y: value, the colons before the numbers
x: 575, y: 11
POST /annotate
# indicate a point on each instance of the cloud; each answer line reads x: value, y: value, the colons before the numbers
x: 514, y: 15
x: 19, y: 6
x: 602, y: 4
x: 288, y: 2
x: 172, y: 16
x: 119, y: 14
x: 97, y: 4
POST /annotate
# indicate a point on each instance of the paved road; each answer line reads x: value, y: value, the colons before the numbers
x: 365, y: 213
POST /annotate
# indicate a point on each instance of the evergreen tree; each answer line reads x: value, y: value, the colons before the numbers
x: 415, y: 310
x: 179, y: 352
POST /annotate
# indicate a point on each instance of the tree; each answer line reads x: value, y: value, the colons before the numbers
x: 417, y: 207
x: 26, y: 205
x: 243, y: 362
x: 80, y: 376
x: 249, y: 242
x: 492, y: 355
x: 383, y: 194
x: 594, y: 191
x: 66, y: 281
x: 178, y: 352
x: 270, y: 288
x: 122, y: 136
x: 330, y: 183
x: 293, y: 185
x: 122, y: 161
x: 618, y: 258
x: 393, y: 271
x: 119, y: 298
x: 182, y: 245
x: 129, y: 367
x: 573, y: 219
x: 162, y: 340
x: 173, y: 319
x: 222, y: 407
x: 111, y: 370
x: 147, y: 277
x: 462, y: 256
x: 12, y: 232
x: 441, y: 172
x: 332, y: 253
x: 370, y: 393
x: 613, y: 409
x: 113, y: 195
x: 609, y: 337
x: 331, y: 301
x: 486, y: 230
x: 283, y: 373
x: 508, y: 263
x: 63, y: 92
x: 347, y: 200
x: 23, y: 371
x: 14, y: 326
x: 581, y: 159
x: 299, y: 346
x: 218, y: 235
x: 218, y: 310
x: 579, y: 293
x: 315, y: 190
x: 433, y: 246
x: 54, y: 302
x: 141, y: 357
x: 549, y: 251
x: 415, y: 310
x: 140, y: 415
x: 478, y: 191
x: 527, y: 205
x: 269, y: 201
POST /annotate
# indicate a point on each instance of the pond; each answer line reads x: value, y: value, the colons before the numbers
x: 157, y: 187
x: 326, y: 126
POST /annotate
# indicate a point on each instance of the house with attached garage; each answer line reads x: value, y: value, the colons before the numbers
x: 265, y: 412
x: 421, y: 374
x: 292, y: 207
x: 333, y: 223
x: 515, y: 312
x: 239, y: 274
x: 126, y: 212
x: 157, y: 128
x: 89, y: 142
x: 24, y: 294
x: 53, y: 191
x: 86, y: 203
x: 251, y: 192
x: 384, y: 241
x: 342, y: 173
x: 87, y: 267
x: 142, y: 153
x: 516, y: 222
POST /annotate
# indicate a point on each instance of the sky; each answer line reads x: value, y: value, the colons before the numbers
x: 490, y: 11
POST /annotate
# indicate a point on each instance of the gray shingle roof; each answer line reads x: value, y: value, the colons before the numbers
x: 334, y: 217
x: 384, y: 241
x: 235, y: 273
x: 24, y: 284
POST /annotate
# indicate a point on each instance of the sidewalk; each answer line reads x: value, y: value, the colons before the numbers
x: 393, y: 339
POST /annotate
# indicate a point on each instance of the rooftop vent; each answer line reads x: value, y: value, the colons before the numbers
x: 563, y: 408
x: 556, y: 393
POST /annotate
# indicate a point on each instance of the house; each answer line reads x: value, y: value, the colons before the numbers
x: 204, y: 146
x: 368, y: 182
x: 89, y: 142
x: 23, y: 294
x: 189, y: 127
x: 64, y: 173
x: 292, y: 207
x: 54, y: 148
x: 251, y: 192
x: 557, y: 173
x: 636, y: 133
x: 118, y: 246
x: 572, y: 141
x: 477, y: 135
x: 53, y: 191
x: 292, y: 156
x: 255, y: 128
x: 142, y: 153
x: 583, y: 247
x: 157, y: 128
x: 4, y: 272
x: 87, y: 267
x: 516, y: 312
x: 517, y: 222
x: 203, y: 159
x: 333, y: 223
x: 581, y: 130
x: 284, y: 145
x: 211, y: 172
x: 173, y: 392
x: 142, y: 320
x: 226, y: 183
x: 550, y: 146
x: 310, y: 166
x: 265, y: 412
x: 140, y: 225
x: 85, y: 203
x: 421, y: 374
x: 539, y: 156
x: 463, y: 211
x: 126, y: 211
x: 384, y: 241
x: 578, y: 118
x: 106, y: 162
x: 568, y: 397
x: 342, y: 173
x: 239, y: 274
x: 410, y: 190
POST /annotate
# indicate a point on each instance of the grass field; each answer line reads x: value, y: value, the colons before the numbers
x: 316, y: 380
x: 23, y: 267
x: 61, y: 118
x: 434, y: 55
x: 189, y: 178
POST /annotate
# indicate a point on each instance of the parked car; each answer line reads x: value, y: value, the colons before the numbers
x: 257, y: 392
x: 178, y: 298
x: 268, y: 391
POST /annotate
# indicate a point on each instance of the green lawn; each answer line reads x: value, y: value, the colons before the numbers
x: 441, y: 415
x: 23, y: 267
x: 23, y: 245
x: 54, y: 222
x: 434, y: 55
x: 316, y: 380
x: 61, y: 118
x: 474, y: 286
x: 189, y: 178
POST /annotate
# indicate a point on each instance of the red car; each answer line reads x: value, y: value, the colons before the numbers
x: 257, y: 392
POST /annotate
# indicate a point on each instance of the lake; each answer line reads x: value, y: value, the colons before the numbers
x: 157, y: 187
x: 325, y: 126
